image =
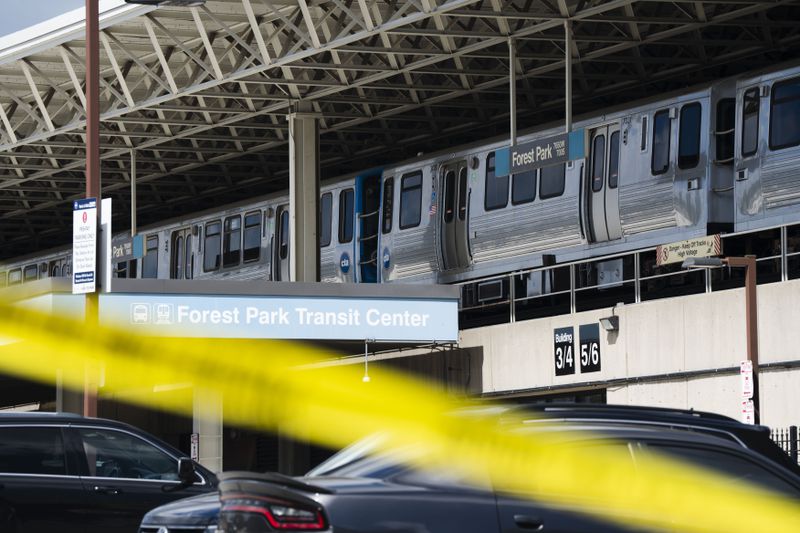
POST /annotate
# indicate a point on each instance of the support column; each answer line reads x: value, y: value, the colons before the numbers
x: 303, y: 194
x: 207, y: 424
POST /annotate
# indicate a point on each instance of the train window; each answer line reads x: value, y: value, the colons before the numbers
x: 176, y: 272
x: 523, y: 187
x: 784, y: 115
x: 496, y: 194
x: 662, y: 130
x: 121, y: 270
x: 388, y: 204
x: 598, y: 162
x: 689, y: 136
x: 325, y: 214
x: 411, y: 200
x: 750, y: 106
x: 724, y: 136
x: 346, y: 210
x: 188, y: 261
x: 14, y: 276
x: 150, y: 260
x: 252, y: 236
x: 643, y: 145
x: 232, y: 241
x: 449, y: 196
x: 212, y: 247
x: 462, y: 194
x: 552, y: 181
x: 30, y: 273
x: 613, y: 160
x: 284, y: 234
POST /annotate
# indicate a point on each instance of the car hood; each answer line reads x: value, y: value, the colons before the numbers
x: 195, y: 511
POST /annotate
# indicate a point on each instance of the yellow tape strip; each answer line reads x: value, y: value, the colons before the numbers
x: 329, y: 405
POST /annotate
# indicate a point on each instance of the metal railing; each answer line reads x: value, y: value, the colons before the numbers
x: 787, y: 439
x: 631, y: 277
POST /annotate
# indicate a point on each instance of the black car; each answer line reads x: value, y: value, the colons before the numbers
x: 358, y: 491
x: 72, y: 474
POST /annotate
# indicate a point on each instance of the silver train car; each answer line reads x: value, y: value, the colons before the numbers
x: 720, y: 158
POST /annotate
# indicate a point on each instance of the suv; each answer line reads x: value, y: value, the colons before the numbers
x: 67, y: 473
x: 364, y: 492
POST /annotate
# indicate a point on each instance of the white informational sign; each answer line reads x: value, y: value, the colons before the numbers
x: 748, y: 412
x: 677, y: 252
x: 84, y: 245
x: 195, y: 447
x: 746, y: 375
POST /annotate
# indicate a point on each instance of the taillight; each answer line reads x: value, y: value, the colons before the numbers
x: 281, y: 515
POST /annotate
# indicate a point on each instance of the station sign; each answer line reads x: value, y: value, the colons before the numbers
x: 84, y: 245
x: 127, y: 250
x: 677, y: 252
x: 284, y: 317
x: 540, y: 153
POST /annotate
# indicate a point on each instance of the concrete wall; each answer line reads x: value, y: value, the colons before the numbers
x: 702, y: 336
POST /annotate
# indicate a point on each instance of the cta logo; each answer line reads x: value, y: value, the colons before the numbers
x: 387, y: 258
x: 344, y: 263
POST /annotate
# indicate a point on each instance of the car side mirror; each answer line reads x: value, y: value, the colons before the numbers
x: 186, y: 471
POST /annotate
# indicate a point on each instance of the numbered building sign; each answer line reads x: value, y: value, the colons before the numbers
x: 590, y: 347
x: 564, y: 347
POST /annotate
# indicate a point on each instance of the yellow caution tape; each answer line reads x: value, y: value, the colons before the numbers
x: 262, y: 387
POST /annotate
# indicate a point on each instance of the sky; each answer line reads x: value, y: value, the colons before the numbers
x: 19, y: 14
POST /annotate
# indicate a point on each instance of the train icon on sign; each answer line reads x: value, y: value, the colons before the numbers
x: 140, y: 313
x: 163, y: 314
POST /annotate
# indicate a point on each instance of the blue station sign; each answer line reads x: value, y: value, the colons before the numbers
x: 540, y: 153
x: 284, y: 317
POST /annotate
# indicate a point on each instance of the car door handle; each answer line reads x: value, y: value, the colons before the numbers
x: 106, y: 490
x: 534, y: 523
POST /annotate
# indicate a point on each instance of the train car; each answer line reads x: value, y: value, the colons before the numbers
x: 767, y: 181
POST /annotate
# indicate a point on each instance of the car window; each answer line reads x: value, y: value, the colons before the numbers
x: 736, y: 466
x: 117, y: 454
x: 32, y: 450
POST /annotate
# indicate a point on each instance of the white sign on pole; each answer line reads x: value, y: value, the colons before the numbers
x: 746, y: 375
x: 194, y: 450
x: 748, y: 412
x: 84, y: 245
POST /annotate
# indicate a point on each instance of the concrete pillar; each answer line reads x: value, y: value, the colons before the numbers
x: 207, y: 425
x: 303, y: 194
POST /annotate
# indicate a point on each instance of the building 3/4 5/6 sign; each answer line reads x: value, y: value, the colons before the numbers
x: 84, y: 245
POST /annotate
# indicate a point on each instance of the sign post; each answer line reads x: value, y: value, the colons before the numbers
x: 84, y: 245
x: 748, y: 407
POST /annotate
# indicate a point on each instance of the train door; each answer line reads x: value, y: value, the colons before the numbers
x: 602, y: 184
x: 368, y: 202
x: 181, y: 261
x: 280, y: 260
x: 453, y: 222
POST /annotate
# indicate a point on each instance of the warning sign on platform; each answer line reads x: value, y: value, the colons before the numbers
x: 84, y: 245
x: 677, y: 252
x: 746, y: 374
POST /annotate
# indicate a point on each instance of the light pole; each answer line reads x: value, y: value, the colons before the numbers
x: 747, y: 262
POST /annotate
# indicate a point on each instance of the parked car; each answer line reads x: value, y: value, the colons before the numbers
x: 72, y: 474
x: 357, y: 490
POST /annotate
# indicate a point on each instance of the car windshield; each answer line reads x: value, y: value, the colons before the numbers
x: 360, y: 459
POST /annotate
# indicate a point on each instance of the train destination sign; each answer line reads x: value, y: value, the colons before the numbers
x: 677, y: 252
x: 284, y: 317
x: 127, y: 250
x: 540, y: 153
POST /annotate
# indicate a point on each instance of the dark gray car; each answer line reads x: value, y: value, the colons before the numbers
x: 359, y: 491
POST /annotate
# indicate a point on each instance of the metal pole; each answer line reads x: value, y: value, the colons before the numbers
x: 751, y: 321
x: 133, y: 193
x: 568, y: 74
x: 92, y: 168
x: 512, y: 89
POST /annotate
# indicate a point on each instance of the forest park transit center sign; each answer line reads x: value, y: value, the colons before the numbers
x: 284, y: 317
